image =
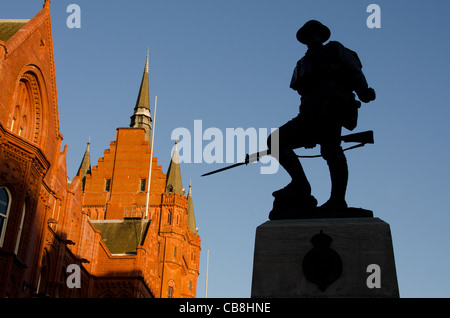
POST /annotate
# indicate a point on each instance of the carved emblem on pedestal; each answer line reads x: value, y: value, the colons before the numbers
x: 322, y: 265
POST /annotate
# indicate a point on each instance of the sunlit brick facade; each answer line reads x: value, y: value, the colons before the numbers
x: 99, y: 220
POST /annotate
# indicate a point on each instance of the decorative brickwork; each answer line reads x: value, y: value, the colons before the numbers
x: 99, y: 220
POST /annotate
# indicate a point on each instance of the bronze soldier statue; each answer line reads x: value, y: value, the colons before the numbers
x: 325, y: 78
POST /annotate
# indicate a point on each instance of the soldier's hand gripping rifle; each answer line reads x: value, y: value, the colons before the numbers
x: 363, y: 138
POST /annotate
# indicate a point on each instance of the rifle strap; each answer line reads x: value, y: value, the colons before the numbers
x: 349, y: 148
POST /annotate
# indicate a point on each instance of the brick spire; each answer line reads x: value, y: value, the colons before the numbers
x: 85, y: 166
x: 174, y: 183
x: 190, y: 215
x: 143, y: 100
x: 141, y: 116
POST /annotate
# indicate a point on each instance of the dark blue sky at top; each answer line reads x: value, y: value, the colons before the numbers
x: 229, y: 63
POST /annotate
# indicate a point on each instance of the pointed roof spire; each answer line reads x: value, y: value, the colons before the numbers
x: 141, y: 117
x: 143, y: 100
x: 85, y: 166
x: 174, y: 183
x: 190, y: 213
x: 146, y: 62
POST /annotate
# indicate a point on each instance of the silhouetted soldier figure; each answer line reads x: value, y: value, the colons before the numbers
x: 325, y: 78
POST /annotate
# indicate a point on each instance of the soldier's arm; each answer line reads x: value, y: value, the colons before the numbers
x: 354, y: 67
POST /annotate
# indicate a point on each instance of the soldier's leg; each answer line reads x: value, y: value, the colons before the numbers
x: 291, y: 136
x: 334, y: 155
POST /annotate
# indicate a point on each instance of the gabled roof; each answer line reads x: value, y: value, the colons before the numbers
x: 122, y: 236
x: 10, y: 27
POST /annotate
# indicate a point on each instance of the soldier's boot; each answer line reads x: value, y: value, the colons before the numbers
x: 295, y: 198
x: 292, y: 201
x: 339, y: 180
x: 290, y: 190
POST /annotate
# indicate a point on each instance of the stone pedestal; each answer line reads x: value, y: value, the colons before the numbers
x: 345, y: 257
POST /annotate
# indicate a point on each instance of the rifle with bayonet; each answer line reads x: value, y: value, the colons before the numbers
x: 362, y: 138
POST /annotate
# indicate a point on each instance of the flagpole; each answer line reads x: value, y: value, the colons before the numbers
x: 207, y: 265
x: 151, y: 160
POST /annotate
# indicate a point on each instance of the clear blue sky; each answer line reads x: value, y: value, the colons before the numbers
x: 229, y: 63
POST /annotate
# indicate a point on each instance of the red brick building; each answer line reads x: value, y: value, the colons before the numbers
x: 124, y: 242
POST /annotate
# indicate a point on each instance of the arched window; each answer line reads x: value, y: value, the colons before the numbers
x: 5, y: 205
x: 23, y: 121
x: 19, y: 235
x: 171, y: 289
x: 15, y: 119
x: 30, y: 106
x: 23, y: 125
x: 38, y: 288
x: 43, y: 275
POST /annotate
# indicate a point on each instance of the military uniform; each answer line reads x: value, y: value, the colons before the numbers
x: 325, y: 78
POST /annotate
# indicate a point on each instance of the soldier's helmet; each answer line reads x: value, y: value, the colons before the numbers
x: 310, y: 28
